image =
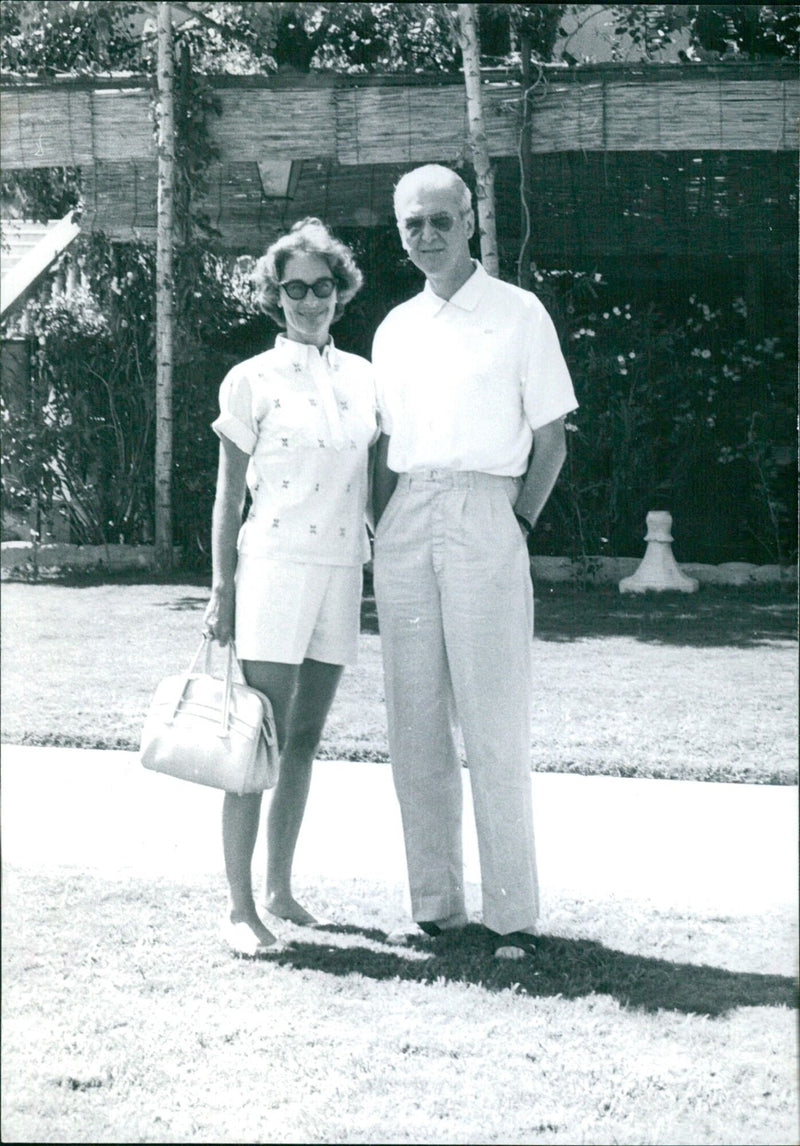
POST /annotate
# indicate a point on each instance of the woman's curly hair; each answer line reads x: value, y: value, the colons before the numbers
x: 308, y: 236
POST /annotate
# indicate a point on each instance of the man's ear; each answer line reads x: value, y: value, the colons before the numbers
x: 470, y: 219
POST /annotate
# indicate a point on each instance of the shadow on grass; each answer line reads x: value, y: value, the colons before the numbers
x: 743, y: 617
x: 187, y: 604
x: 569, y: 968
x: 739, y: 616
x: 714, y: 616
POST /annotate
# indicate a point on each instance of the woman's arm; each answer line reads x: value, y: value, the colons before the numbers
x: 225, y: 524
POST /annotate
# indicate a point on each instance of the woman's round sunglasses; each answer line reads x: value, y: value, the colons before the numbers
x: 297, y: 289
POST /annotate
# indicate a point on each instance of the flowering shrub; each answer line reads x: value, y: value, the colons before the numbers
x: 689, y: 414
x: 83, y: 444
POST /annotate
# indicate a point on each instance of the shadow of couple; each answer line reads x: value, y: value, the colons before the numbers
x: 569, y: 968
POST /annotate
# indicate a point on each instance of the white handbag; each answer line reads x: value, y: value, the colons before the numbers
x: 212, y: 730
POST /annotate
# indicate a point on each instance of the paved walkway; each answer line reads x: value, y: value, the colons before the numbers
x: 732, y: 847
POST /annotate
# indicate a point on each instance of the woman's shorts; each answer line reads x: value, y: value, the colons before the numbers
x: 287, y: 611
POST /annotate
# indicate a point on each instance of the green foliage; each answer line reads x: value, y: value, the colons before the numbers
x: 83, y: 38
x: 84, y: 441
x: 39, y: 193
x: 540, y: 22
x: 218, y: 313
x: 691, y: 414
x: 96, y: 36
x: 385, y: 38
x: 753, y: 31
x: 230, y: 38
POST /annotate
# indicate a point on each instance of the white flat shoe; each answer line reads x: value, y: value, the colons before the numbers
x: 243, y: 941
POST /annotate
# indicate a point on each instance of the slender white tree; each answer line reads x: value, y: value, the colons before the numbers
x: 165, y: 124
x: 466, y: 29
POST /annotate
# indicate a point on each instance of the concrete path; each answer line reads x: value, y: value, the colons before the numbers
x: 680, y: 844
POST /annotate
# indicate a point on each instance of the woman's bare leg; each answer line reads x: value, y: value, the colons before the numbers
x: 240, y: 814
x: 316, y: 687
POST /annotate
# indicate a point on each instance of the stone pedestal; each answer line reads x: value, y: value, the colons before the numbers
x: 659, y: 570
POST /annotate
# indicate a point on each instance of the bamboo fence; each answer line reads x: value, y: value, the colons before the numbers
x: 636, y: 208
x: 74, y: 127
x: 350, y: 137
x: 737, y: 108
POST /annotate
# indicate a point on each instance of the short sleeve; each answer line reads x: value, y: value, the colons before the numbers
x: 547, y: 387
x: 236, y: 420
x: 373, y: 402
x: 379, y: 369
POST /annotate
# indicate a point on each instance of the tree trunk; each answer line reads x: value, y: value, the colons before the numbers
x: 467, y: 28
x: 525, y: 164
x: 165, y: 122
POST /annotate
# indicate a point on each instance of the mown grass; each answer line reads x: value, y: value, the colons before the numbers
x: 698, y: 687
x: 124, y: 1019
x: 127, y: 1022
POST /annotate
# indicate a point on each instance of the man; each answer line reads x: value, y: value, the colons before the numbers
x: 472, y: 390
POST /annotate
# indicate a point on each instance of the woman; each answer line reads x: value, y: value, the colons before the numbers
x: 295, y: 427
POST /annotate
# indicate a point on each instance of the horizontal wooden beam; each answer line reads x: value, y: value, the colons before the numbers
x: 29, y: 270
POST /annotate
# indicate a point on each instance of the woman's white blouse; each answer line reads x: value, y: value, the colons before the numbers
x: 307, y: 419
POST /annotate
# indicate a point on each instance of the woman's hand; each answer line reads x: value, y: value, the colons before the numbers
x: 218, y: 620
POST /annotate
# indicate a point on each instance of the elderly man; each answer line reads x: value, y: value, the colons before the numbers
x: 472, y: 390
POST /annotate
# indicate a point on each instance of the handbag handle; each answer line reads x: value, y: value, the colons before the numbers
x: 205, y: 648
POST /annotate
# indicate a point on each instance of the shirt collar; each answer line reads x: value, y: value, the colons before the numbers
x: 304, y: 353
x: 466, y: 297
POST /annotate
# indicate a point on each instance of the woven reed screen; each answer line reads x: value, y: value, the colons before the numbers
x: 692, y: 204
x: 74, y: 126
x: 587, y: 207
x: 736, y: 108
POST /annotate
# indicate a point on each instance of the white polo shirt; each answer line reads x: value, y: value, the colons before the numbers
x: 462, y: 384
x: 307, y: 419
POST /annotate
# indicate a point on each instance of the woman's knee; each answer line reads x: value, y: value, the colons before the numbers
x: 302, y: 739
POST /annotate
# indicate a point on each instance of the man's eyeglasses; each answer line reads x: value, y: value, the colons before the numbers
x: 297, y: 289
x: 414, y: 225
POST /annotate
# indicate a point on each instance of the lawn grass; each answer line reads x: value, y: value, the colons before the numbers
x: 127, y: 1022
x: 124, y: 1020
x: 666, y: 685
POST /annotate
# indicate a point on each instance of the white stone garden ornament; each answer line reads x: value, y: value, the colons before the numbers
x: 658, y: 570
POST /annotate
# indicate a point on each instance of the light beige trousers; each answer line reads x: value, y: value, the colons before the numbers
x: 455, y: 609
